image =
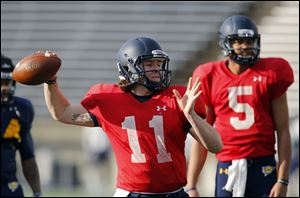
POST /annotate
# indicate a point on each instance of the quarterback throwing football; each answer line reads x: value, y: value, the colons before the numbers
x: 145, y: 119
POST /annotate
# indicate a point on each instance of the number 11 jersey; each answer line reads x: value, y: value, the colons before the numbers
x: 148, y: 138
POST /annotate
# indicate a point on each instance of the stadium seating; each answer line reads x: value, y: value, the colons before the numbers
x: 87, y: 35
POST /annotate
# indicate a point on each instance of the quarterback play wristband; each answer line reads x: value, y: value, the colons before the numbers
x: 283, y: 181
x: 49, y: 82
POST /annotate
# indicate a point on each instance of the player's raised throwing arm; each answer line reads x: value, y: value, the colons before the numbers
x: 202, y: 131
x: 62, y: 110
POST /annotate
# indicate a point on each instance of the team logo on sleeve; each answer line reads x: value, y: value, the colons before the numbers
x: 266, y: 170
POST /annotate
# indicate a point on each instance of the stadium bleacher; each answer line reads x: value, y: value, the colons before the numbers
x: 87, y: 35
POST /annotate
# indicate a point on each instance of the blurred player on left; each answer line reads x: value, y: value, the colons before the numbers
x: 16, y: 120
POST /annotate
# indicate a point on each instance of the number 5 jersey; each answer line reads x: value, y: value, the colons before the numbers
x: 242, y: 104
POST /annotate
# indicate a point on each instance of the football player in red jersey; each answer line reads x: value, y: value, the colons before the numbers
x: 245, y: 99
x: 145, y: 119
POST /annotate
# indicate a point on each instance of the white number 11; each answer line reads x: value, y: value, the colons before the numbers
x: 157, y: 124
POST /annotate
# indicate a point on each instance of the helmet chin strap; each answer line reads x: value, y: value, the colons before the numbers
x: 150, y: 85
x: 155, y: 87
x: 243, y: 60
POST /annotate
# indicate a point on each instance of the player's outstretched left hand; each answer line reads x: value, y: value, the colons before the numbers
x: 187, y: 101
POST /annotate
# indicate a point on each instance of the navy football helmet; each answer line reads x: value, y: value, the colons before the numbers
x: 7, y: 68
x: 239, y: 27
x: 132, y: 53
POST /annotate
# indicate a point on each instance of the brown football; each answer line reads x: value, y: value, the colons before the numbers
x: 36, y: 68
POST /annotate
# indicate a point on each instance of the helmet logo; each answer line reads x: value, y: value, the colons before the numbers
x: 245, y: 33
x: 5, y: 66
x: 158, y: 52
x: 130, y: 61
x: 7, y: 73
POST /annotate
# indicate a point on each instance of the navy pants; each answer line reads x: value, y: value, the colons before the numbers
x: 261, y: 176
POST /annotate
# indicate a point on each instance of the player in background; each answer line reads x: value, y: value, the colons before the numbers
x: 246, y: 101
x: 145, y: 120
x: 16, y: 119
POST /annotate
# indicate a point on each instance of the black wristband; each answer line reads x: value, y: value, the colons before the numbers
x: 49, y: 82
x: 283, y: 181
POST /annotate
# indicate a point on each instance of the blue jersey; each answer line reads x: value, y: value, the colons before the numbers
x: 16, y: 121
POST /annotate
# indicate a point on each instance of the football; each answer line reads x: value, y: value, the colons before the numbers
x: 36, y: 68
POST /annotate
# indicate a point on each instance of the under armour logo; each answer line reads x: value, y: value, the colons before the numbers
x: 164, y: 108
x: 255, y: 78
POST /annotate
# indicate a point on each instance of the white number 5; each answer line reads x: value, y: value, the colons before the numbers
x: 241, y: 107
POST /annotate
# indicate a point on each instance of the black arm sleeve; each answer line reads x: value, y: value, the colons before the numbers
x: 187, y: 126
x: 94, y: 119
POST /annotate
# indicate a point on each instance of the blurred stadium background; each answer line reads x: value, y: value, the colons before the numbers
x: 87, y: 35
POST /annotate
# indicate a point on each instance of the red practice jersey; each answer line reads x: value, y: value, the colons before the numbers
x: 242, y: 104
x: 148, y: 138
